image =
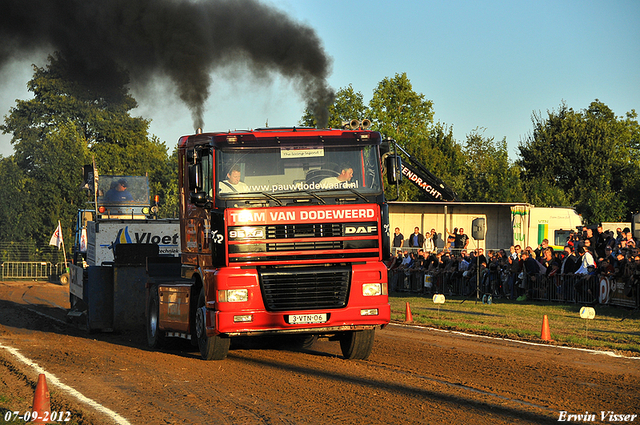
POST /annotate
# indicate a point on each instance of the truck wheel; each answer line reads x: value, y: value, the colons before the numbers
x: 301, y: 342
x: 155, y: 336
x: 64, y: 279
x: 308, y: 341
x: 211, y: 347
x: 357, y: 345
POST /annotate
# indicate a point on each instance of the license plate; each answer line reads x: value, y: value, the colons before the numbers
x: 295, y: 319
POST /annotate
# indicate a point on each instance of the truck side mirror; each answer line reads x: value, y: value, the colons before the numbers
x: 394, y: 169
x: 198, y: 198
x: 191, y: 156
x: 195, y: 177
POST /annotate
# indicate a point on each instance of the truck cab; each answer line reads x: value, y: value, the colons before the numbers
x: 123, y: 197
x: 283, y: 232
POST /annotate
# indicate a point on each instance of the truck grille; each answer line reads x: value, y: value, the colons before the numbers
x: 311, y: 245
x: 308, y: 288
x: 313, y: 230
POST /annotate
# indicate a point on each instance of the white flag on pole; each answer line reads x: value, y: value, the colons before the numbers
x: 83, y: 240
x: 56, y: 239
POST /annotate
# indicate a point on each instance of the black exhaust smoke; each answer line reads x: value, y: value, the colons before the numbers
x: 181, y: 40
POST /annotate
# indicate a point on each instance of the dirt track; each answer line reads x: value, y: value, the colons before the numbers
x: 414, y: 375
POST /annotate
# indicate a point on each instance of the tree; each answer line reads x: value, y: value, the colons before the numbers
x: 586, y: 159
x: 166, y: 187
x: 14, y: 205
x: 70, y: 119
x: 399, y: 112
x: 348, y: 105
x: 402, y: 114
x: 489, y: 175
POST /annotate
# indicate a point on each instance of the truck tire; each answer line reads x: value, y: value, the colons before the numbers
x: 357, y: 345
x: 300, y: 342
x: 64, y: 279
x: 308, y: 341
x: 211, y: 347
x: 155, y: 336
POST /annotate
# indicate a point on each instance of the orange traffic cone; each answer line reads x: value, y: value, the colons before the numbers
x: 41, y: 399
x: 408, y: 317
x: 545, y: 334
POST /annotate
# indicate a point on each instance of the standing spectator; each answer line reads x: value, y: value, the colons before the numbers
x: 462, y: 240
x: 529, y: 251
x: 570, y: 263
x: 605, y: 268
x: 608, y: 255
x: 568, y: 267
x: 593, y: 240
x: 398, y: 238
x: 481, y: 257
x: 610, y: 240
x: 620, y: 264
x: 407, y: 261
x: 601, y: 242
x: 540, y: 249
x: 629, y: 237
x: 587, y: 264
x: 514, y: 270
x: 619, y: 236
x: 550, y: 261
x: 529, y: 265
x: 573, y: 240
x: 430, y: 241
x: 451, y: 239
x: 501, y: 259
x: 416, y: 240
x: 530, y: 268
x: 584, y: 287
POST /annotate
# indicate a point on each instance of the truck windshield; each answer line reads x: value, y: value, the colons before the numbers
x: 123, y: 190
x: 282, y: 170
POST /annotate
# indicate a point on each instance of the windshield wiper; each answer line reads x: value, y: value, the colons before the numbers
x: 358, y: 194
x: 315, y: 196
x: 355, y: 192
x: 235, y: 196
x: 273, y: 198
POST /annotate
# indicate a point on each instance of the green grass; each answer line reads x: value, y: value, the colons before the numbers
x: 613, y: 328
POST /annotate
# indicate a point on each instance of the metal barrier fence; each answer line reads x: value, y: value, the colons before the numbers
x: 567, y: 288
x: 34, y: 270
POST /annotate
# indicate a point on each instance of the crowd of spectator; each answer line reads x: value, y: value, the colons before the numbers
x: 540, y: 273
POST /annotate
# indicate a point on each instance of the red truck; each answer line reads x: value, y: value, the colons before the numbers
x: 283, y: 232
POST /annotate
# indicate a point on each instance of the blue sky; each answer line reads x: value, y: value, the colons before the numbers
x: 486, y: 65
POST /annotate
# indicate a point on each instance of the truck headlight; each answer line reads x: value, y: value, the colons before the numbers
x: 371, y: 289
x: 233, y: 295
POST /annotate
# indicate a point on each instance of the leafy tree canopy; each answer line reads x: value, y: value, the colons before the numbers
x: 587, y: 159
x: 71, y: 119
x: 489, y: 175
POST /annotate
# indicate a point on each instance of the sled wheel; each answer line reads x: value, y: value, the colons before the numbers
x: 155, y: 336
